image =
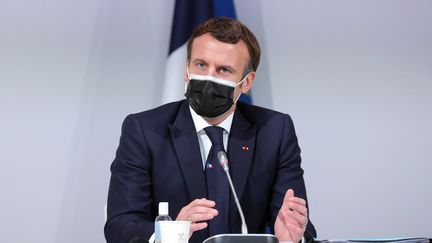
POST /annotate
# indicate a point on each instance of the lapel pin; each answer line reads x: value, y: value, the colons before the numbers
x: 245, y: 148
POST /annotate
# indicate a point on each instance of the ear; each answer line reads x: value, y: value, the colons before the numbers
x: 185, y: 75
x: 248, y: 82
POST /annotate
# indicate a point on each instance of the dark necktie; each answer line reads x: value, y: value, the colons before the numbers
x: 217, y: 183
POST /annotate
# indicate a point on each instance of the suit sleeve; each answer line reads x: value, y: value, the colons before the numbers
x: 289, y: 173
x: 130, y: 212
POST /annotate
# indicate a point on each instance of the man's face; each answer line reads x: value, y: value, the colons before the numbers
x: 222, y: 60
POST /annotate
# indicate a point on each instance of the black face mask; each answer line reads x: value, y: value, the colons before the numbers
x: 209, y: 99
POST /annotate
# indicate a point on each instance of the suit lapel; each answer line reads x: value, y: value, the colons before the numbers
x: 185, y: 140
x: 241, y: 147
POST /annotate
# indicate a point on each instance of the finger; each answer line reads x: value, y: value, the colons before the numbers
x: 202, y: 210
x: 198, y: 226
x: 289, y: 194
x: 298, y: 200
x: 287, y: 218
x: 301, y: 220
x: 186, y: 210
x: 202, y: 202
x: 293, y: 217
x: 297, y: 207
x: 201, y: 217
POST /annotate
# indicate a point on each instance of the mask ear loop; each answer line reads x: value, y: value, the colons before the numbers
x: 238, y: 98
x: 241, y: 84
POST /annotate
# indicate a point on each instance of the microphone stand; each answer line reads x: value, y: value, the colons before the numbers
x: 244, y: 237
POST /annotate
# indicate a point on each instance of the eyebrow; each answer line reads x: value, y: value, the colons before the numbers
x: 199, y: 60
x: 229, y: 68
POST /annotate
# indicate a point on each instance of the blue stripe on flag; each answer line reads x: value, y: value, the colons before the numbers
x: 246, y: 98
x: 187, y: 15
x: 224, y: 8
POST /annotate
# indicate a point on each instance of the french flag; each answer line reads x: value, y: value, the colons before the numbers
x: 187, y: 15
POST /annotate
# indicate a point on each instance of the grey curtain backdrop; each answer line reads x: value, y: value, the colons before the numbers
x: 356, y: 76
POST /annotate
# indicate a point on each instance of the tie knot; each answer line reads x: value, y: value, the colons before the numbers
x: 215, y: 134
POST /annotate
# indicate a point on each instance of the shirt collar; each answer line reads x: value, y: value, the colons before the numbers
x: 200, y: 123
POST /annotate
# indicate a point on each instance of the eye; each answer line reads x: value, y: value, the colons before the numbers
x: 223, y: 70
x: 201, y: 65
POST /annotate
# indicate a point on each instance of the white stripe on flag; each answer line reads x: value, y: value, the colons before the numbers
x: 173, y: 87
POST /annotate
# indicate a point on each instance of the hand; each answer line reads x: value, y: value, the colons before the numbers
x: 197, y: 211
x: 292, y: 218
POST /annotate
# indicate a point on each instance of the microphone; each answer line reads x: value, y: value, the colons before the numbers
x: 223, y: 161
x: 244, y: 237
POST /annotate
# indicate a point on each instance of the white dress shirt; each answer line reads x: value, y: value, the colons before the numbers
x: 204, y: 141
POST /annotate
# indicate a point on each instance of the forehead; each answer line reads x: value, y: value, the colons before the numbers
x: 208, y: 48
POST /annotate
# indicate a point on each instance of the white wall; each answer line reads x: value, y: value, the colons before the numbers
x: 355, y: 75
x: 357, y: 78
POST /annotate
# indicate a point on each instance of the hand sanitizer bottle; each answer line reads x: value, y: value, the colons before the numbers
x: 163, y: 216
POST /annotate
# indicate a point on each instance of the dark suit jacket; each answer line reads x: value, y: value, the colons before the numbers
x: 159, y: 160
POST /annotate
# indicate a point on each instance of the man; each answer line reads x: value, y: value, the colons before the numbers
x: 169, y: 153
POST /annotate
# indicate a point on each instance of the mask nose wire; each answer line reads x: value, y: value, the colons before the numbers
x: 235, y: 85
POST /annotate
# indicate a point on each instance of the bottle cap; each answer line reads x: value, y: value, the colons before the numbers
x: 163, y: 208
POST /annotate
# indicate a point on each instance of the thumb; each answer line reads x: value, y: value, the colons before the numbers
x: 289, y: 194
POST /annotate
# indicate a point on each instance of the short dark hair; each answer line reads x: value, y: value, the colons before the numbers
x: 229, y: 31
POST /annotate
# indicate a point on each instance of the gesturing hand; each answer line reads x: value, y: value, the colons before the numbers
x: 197, y: 211
x: 292, y: 218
